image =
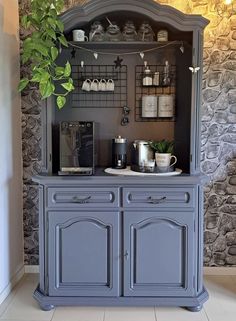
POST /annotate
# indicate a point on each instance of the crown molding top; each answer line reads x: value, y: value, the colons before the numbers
x: 82, y: 14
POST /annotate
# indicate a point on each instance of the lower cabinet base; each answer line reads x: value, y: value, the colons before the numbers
x: 193, y: 304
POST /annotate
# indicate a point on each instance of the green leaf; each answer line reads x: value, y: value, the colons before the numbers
x: 45, y: 76
x: 67, y: 72
x: 63, y: 41
x: 25, y: 22
x: 22, y: 84
x: 61, y: 101
x: 54, y: 53
x: 52, y: 23
x: 43, y: 50
x: 60, y: 25
x: 60, y: 71
x: 37, y: 77
x: 25, y: 57
x: 68, y: 86
x: 51, y: 33
x: 46, y: 89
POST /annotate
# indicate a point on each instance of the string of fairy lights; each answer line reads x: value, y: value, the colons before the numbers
x: 140, y: 53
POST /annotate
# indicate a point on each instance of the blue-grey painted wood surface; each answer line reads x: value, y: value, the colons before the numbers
x: 160, y: 253
x: 83, y: 250
x: 82, y: 197
x: 130, y: 221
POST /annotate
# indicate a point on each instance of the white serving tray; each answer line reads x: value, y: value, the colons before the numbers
x: 128, y: 172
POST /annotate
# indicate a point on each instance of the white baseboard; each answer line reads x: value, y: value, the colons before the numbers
x: 14, y: 280
x: 31, y: 269
x: 213, y: 270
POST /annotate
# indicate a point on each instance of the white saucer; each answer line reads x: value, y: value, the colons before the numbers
x: 128, y: 172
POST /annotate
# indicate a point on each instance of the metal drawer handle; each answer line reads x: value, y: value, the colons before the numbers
x: 85, y: 200
x: 156, y: 201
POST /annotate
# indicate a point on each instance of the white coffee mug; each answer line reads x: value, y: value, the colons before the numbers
x: 102, y: 86
x: 110, y: 85
x: 94, y: 85
x: 86, y: 85
x: 79, y: 35
x: 164, y: 159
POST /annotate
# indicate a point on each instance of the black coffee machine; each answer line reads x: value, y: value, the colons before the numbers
x: 119, y: 153
x: 77, y: 148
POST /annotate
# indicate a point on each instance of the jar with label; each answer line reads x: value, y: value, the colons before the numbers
x: 162, y: 35
x: 156, y: 79
x: 166, y: 106
x: 147, y: 77
x: 149, y: 106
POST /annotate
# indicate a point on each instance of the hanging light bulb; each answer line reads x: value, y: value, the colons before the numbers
x: 95, y: 55
x: 225, y: 8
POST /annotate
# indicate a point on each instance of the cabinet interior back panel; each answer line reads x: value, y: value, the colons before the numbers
x: 109, y: 119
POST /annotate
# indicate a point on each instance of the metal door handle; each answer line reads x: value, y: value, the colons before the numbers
x: 85, y: 200
x: 126, y: 255
x: 156, y: 201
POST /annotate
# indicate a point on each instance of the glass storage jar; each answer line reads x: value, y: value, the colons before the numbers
x: 97, y: 32
x: 147, y: 77
x: 129, y: 31
x: 145, y: 32
x: 113, y: 32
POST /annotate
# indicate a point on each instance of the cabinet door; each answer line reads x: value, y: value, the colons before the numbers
x: 158, y: 253
x: 83, y: 253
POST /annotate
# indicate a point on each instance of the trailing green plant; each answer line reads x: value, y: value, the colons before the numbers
x: 41, y: 49
x: 163, y: 146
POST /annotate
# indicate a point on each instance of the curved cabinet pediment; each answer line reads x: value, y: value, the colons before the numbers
x: 80, y: 15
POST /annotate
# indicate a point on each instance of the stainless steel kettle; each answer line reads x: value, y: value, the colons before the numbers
x: 142, y: 153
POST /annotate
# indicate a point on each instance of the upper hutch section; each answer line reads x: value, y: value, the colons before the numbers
x: 183, y: 31
x: 79, y: 16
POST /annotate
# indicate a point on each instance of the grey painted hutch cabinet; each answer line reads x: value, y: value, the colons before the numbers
x: 115, y: 240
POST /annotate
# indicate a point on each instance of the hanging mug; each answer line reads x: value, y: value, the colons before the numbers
x: 110, y: 85
x: 94, y: 85
x: 102, y: 86
x: 86, y: 85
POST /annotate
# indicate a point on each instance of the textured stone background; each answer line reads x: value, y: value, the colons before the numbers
x: 218, y: 136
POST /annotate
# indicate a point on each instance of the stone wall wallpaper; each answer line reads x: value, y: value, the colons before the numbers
x: 218, y: 146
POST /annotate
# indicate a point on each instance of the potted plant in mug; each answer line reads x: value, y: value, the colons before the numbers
x: 41, y: 49
x: 163, y: 154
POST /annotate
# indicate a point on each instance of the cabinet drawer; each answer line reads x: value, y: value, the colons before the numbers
x: 158, y: 197
x: 83, y: 197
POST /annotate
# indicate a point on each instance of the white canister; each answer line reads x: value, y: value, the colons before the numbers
x: 166, y: 106
x: 162, y: 35
x: 149, y: 106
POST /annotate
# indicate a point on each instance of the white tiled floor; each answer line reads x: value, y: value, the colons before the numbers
x: 20, y: 306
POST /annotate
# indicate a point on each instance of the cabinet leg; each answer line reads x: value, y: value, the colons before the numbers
x: 197, y: 308
x: 47, y: 307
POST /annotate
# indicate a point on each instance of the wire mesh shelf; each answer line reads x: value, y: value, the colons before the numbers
x: 156, y: 90
x: 116, y: 98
